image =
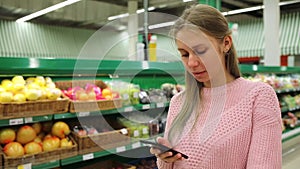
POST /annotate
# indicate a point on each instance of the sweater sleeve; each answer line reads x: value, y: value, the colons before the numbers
x: 265, y: 149
x: 173, y: 111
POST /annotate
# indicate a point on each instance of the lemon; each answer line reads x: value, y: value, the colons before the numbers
x: 19, y: 98
x: 6, y: 97
x: 18, y: 79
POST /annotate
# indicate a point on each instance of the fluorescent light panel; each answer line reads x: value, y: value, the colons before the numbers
x: 46, y: 10
x: 126, y: 14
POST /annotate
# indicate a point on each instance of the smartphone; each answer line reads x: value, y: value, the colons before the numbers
x: 163, y: 148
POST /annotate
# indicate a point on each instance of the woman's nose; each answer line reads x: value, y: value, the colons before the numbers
x: 193, y: 61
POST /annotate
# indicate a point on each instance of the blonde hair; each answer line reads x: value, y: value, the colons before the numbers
x: 210, y: 21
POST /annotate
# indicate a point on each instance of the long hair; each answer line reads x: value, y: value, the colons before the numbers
x: 210, y: 21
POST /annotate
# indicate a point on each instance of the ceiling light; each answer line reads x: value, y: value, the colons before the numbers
x: 255, y: 8
x: 160, y: 25
x: 187, y: 0
x: 47, y: 10
x: 126, y: 14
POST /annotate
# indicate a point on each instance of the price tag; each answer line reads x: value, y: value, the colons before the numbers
x: 124, y: 131
x: 24, y: 166
x: 88, y: 156
x: 147, y: 106
x: 136, y: 145
x: 16, y: 121
x: 127, y: 109
x: 28, y: 119
x: 120, y: 149
x: 83, y: 114
x: 158, y: 105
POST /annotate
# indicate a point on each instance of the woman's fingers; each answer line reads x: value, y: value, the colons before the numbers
x: 169, y: 158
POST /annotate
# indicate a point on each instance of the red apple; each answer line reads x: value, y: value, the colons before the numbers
x: 13, y: 149
x: 51, y: 143
x: 25, y: 134
x: 60, y: 129
x: 7, y: 135
x: 33, y: 148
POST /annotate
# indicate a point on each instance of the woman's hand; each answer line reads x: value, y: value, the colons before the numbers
x: 167, y: 156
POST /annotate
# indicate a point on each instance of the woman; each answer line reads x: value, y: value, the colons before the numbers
x: 221, y: 120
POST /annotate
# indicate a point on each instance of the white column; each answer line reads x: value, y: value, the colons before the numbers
x: 132, y: 28
x: 271, y: 30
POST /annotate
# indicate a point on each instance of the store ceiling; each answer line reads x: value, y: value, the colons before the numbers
x: 93, y: 14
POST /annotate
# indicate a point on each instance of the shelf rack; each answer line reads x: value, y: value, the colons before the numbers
x: 133, y: 71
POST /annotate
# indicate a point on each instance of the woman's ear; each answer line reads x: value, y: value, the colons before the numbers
x: 227, y: 42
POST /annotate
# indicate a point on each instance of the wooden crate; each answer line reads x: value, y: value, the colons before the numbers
x: 33, y: 108
x: 101, y: 141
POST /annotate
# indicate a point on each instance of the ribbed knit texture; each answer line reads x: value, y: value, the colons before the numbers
x: 246, y: 134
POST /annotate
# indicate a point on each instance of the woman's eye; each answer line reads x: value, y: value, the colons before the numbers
x: 200, y: 52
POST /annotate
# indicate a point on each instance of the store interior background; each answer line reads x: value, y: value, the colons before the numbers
x: 65, y: 33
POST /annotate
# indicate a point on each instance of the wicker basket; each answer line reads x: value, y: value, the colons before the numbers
x: 84, y: 106
x: 35, y: 159
x: 69, y: 152
x: 100, y: 141
x: 41, y: 158
x: 33, y: 108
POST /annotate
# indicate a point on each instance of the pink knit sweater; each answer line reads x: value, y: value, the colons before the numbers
x: 246, y: 136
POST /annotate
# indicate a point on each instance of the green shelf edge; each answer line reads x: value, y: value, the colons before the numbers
x: 25, y: 120
x: 69, y: 67
x: 112, y: 111
x: 49, y: 165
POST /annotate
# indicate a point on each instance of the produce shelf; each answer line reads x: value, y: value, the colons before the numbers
x: 90, y: 156
x: 112, y: 111
x: 290, y: 133
x: 25, y: 120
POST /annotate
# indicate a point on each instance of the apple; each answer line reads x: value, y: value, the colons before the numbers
x: 82, y: 132
x: 32, y: 148
x: 51, y: 143
x: 47, y: 136
x: 13, y: 149
x: 91, y: 95
x: 7, y: 135
x: 25, y: 134
x: 38, y: 140
x: 60, y: 129
x: 37, y: 127
x: 82, y: 96
x: 65, y: 143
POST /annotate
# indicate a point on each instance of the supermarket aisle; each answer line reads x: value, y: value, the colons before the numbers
x: 291, y: 154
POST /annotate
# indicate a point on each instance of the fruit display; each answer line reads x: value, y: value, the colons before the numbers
x: 129, y: 92
x: 278, y: 82
x: 36, y: 88
x: 90, y: 92
x: 35, y: 138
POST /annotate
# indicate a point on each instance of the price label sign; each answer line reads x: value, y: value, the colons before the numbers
x: 147, y: 106
x: 136, y: 145
x: 16, y: 121
x: 120, y: 149
x: 128, y: 109
x: 28, y: 119
x: 88, y: 156
x: 158, y: 105
x: 83, y: 114
x: 24, y: 166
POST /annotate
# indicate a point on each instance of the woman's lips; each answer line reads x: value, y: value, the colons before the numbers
x: 199, y: 74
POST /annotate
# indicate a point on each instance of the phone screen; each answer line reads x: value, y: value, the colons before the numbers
x: 163, y: 148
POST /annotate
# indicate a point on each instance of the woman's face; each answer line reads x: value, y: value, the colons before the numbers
x: 201, y: 55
